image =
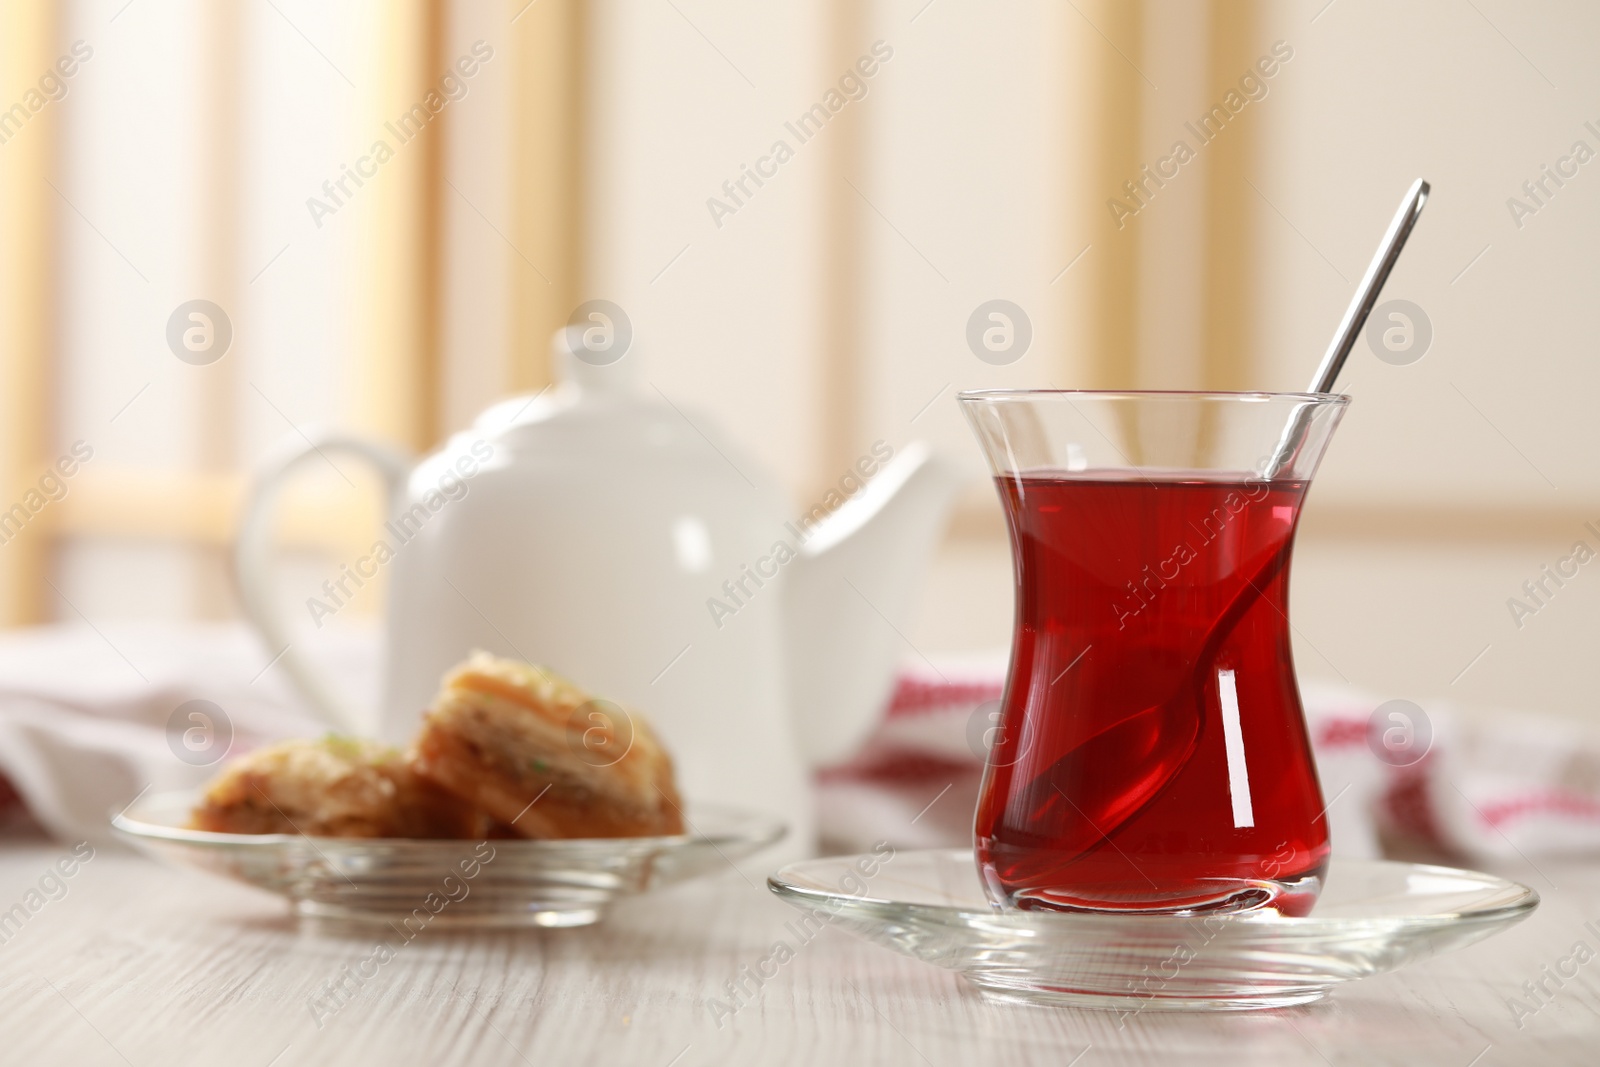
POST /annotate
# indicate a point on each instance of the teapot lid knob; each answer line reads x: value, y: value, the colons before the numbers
x: 595, y: 355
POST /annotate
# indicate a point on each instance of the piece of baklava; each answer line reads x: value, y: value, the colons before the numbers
x: 545, y: 757
x: 335, y: 787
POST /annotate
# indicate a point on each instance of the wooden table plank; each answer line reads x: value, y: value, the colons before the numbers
x: 139, y: 964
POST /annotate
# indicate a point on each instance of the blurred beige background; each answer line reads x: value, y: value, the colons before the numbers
x: 829, y: 310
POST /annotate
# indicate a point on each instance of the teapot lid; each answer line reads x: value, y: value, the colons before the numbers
x: 587, y: 376
x: 595, y: 410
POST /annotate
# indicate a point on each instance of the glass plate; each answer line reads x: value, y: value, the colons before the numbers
x: 498, y: 882
x: 1373, y: 916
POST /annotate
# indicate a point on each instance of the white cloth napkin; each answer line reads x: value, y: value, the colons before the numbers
x: 84, y: 712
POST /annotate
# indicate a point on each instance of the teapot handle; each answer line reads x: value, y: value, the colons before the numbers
x: 253, y: 559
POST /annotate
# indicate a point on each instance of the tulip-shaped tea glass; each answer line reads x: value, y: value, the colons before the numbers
x: 1151, y: 753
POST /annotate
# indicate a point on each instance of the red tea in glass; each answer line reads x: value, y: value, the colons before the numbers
x: 1152, y: 753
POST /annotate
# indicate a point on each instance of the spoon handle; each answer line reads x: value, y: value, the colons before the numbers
x: 1355, y: 316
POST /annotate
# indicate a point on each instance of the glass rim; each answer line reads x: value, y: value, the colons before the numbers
x: 981, y: 395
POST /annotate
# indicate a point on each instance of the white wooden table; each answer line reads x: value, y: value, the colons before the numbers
x: 138, y: 964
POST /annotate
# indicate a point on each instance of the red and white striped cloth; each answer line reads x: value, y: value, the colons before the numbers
x: 1490, y: 786
x: 84, y: 713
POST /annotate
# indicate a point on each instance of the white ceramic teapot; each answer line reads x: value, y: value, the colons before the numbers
x: 606, y: 532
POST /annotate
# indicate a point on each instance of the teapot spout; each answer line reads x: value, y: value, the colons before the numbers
x: 853, y: 589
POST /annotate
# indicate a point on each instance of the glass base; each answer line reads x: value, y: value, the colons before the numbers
x: 544, y: 917
x: 1215, y: 896
x: 408, y: 885
x: 1049, y: 997
x: 1372, y: 917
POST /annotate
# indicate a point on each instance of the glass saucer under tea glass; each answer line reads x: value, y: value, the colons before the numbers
x: 457, y: 883
x: 1373, y: 916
